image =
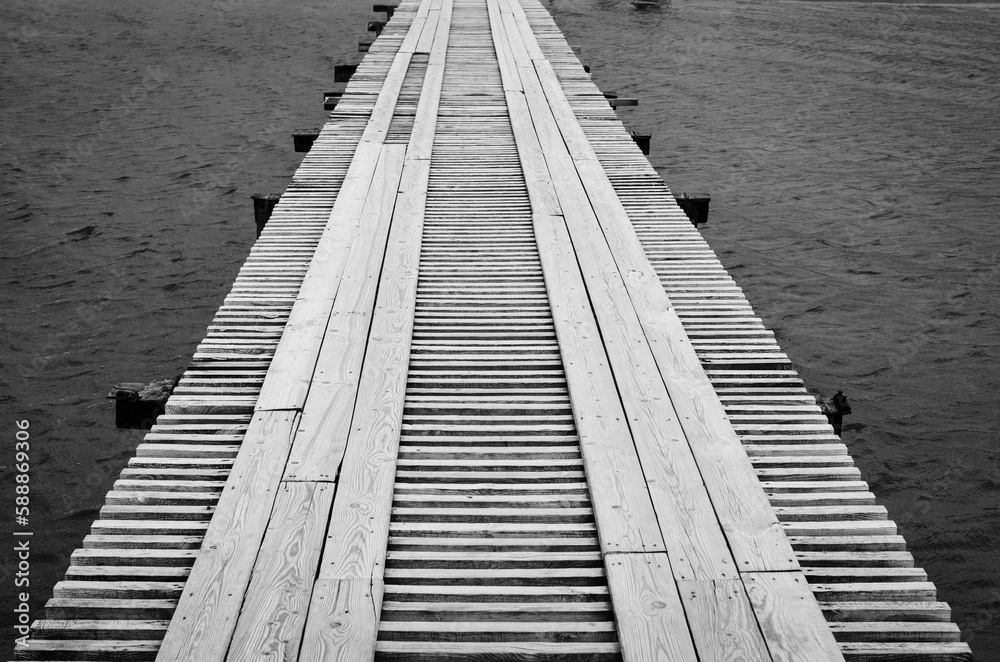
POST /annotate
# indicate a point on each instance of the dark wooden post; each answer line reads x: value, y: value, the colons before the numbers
x: 137, y: 405
x: 695, y: 206
x: 263, y: 205
x: 388, y: 10
x: 331, y: 99
x: 642, y: 140
x: 304, y: 140
x: 342, y: 72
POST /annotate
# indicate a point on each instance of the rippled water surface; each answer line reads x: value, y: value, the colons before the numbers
x: 852, y: 152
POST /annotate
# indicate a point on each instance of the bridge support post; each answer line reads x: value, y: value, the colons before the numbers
x: 263, y: 205
x: 695, y: 206
x: 304, y: 140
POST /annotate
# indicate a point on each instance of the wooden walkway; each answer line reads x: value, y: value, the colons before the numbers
x: 481, y: 392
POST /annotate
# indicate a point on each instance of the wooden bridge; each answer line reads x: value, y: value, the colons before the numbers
x: 481, y: 392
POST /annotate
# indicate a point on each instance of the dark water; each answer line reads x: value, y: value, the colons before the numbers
x: 852, y: 152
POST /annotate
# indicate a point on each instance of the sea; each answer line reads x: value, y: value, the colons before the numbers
x: 851, y: 151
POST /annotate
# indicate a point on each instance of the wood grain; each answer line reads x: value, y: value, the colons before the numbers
x: 342, y: 621
x: 721, y: 621
x: 648, y: 611
x: 203, y: 624
x: 326, y: 416
x: 793, y: 626
x: 272, y: 617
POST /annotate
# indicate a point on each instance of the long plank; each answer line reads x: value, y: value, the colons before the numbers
x: 756, y: 540
x: 290, y: 373
x: 203, y: 624
x: 622, y: 504
x: 327, y: 413
x: 690, y: 529
x: 722, y: 623
x: 790, y: 617
x: 343, y: 621
x: 359, y: 524
x: 273, y: 616
x: 648, y: 610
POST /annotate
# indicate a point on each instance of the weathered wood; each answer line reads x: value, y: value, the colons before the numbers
x: 342, y: 621
x: 722, y: 623
x: 360, y: 520
x: 648, y: 611
x: 790, y: 618
x: 326, y: 415
x: 622, y: 503
x: 483, y: 526
x: 203, y: 624
x: 272, y: 617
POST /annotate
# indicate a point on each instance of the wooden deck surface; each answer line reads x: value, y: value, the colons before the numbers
x: 481, y: 392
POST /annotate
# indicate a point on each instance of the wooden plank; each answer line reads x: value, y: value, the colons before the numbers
x: 510, y: 80
x: 440, y: 48
x: 623, y: 507
x: 343, y: 620
x: 425, y: 121
x: 895, y: 651
x: 359, y: 524
x: 273, y: 615
x: 80, y: 629
x: 622, y: 503
x: 689, y: 525
x: 756, y: 541
x: 790, y: 618
x: 326, y: 416
x: 290, y: 372
x: 648, y: 610
x: 722, y: 623
x: 206, y: 614
x: 544, y: 201
x: 528, y: 651
x: 428, y: 32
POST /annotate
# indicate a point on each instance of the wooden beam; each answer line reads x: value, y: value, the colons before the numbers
x: 722, y: 623
x: 648, y: 610
x: 790, y: 618
x: 273, y: 615
x: 202, y: 626
x: 343, y: 620
x: 750, y: 525
x: 622, y: 504
x: 326, y: 415
x: 688, y: 523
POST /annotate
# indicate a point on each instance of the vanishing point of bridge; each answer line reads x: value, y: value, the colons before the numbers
x: 481, y: 392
